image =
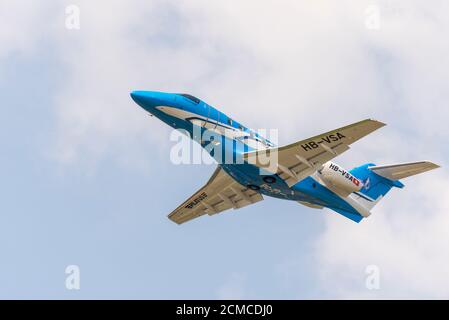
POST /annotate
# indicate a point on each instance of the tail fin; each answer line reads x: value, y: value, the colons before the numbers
x: 378, y: 180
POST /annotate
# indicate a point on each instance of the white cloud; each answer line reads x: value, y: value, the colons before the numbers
x: 406, y: 237
x: 304, y: 67
x: 297, y: 64
x: 234, y: 288
x: 96, y: 116
x: 224, y: 53
x: 21, y: 26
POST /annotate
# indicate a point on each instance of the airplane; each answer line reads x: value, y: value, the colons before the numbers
x: 302, y: 171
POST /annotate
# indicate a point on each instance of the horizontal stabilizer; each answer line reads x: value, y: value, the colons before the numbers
x: 403, y: 170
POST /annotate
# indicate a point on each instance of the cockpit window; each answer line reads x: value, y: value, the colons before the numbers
x: 190, y: 97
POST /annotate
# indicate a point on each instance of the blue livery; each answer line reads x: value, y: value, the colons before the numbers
x: 300, y: 172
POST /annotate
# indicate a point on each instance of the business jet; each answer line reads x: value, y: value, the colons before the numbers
x: 251, y: 167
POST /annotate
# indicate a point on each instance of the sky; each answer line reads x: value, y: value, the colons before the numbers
x: 86, y: 176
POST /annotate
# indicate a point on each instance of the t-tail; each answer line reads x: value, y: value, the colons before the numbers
x: 379, y: 180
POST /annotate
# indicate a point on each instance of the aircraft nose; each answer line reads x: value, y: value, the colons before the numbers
x: 138, y: 96
x: 150, y: 99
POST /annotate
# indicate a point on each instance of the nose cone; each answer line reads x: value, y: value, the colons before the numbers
x: 151, y: 99
x: 138, y: 96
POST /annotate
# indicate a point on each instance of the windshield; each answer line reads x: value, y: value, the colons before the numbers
x: 190, y: 97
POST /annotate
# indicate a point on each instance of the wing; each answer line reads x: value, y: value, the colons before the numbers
x: 299, y: 160
x: 220, y: 193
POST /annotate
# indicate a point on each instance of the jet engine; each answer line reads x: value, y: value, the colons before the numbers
x: 335, y: 176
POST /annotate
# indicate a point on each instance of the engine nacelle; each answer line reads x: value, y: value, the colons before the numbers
x: 337, y: 177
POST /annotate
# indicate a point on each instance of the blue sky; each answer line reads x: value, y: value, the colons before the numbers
x: 86, y: 174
